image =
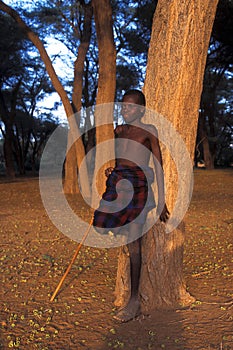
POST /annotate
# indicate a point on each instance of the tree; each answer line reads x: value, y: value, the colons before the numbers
x: 71, y: 23
x: 218, y: 74
x: 71, y: 171
x: 82, y: 30
x: 106, y: 84
x: 11, y: 73
x: 215, y: 125
x: 23, y: 84
x: 174, y: 77
x: 34, y: 38
x: 107, y: 75
x: 8, y: 116
x: 132, y: 27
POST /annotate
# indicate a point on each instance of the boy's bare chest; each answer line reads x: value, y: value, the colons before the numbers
x: 129, y: 134
x: 133, y: 133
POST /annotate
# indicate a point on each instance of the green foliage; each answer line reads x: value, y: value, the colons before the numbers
x: 23, y: 84
x: 223, y: 27
x: 132, y: 24
x: 12, y: 46
x: 217, y: 102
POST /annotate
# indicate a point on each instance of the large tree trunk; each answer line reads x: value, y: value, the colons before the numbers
x: 176, y: 62
x: 106, y: 89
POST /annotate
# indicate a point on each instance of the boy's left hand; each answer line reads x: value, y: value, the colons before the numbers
x: 108, y: 171
x: 164, y: 214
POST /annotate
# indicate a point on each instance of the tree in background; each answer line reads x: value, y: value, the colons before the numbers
x: 84, y: 31
x: 103, y: 71
x: 215, y: 120
x: 132, y: 27
x: 72, y: 24
x: 106, y: 87
x: 24, y: 83
x: 34, y: 38
x: 11, y: 73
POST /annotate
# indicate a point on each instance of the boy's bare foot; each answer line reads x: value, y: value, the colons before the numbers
x: 129, y: 312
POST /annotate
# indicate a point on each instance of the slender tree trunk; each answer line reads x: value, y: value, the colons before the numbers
x: 106, y: 88
x: 208, y: 115
x: 18, y: 151
x: 8, y: 117
x: 71, y: 170
x: 211, y: 136
x: 8, y: 150
x: 176, y: 62
x: 208, y: 159
x: 82, y: 52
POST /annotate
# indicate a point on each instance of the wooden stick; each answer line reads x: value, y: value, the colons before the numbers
x: 72, y: 261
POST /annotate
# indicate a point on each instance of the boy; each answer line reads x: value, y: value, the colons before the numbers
x: 136, y: 143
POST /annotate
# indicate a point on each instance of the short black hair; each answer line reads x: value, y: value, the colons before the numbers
x: 139, y: 94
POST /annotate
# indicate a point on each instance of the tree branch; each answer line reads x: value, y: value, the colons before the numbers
x: 43, y: 54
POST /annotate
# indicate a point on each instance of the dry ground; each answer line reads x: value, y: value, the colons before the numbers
x: 34, y: 256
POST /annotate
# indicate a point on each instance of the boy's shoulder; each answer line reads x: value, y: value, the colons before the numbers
x: 150, y: 128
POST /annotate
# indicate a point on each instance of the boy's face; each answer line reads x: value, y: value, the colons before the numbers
x: 130, y: 109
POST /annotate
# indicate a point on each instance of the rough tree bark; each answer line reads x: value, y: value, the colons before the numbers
x: 106, y: 87
x: 80, y: 152
x: 173, y: 85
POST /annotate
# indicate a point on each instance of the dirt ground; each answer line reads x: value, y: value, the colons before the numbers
x: 34, y: 256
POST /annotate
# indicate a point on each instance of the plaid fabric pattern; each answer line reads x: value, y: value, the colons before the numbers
x: 124, y: 201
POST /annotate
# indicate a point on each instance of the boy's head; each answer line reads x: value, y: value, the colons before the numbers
x: 133, y: 106
x: 138, y: 96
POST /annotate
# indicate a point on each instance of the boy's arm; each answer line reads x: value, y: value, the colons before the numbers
x: 158, y: 164
x: 109, y: 170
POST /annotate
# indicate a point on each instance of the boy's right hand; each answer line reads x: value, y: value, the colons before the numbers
x: 108, y: 171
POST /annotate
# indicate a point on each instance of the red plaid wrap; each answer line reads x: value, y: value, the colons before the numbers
x: 124, y: 201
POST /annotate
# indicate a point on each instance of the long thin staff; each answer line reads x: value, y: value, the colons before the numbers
x: 72, y: 261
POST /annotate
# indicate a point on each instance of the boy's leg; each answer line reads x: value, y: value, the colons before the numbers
x: 131, y: 310
x: 135, y: 266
